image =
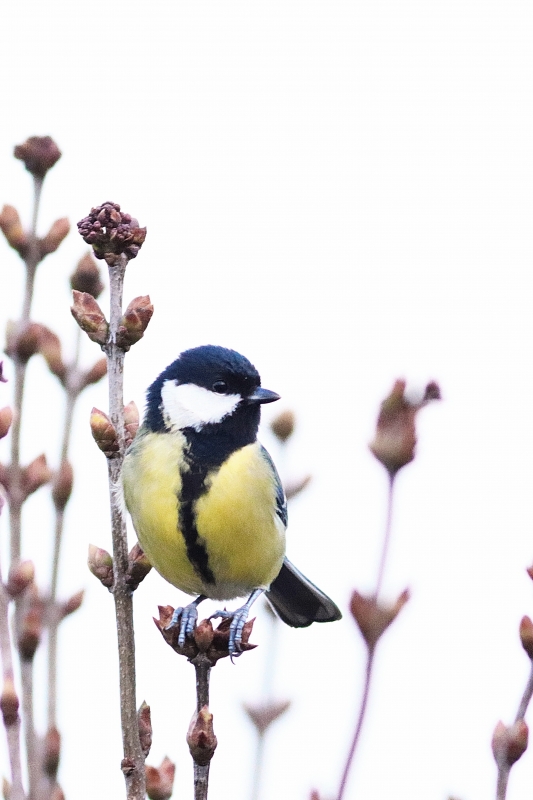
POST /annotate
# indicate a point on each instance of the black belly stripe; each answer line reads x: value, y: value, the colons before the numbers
x: 193, y: 486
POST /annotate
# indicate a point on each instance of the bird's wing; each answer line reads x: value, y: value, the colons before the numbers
x: 281, y: 500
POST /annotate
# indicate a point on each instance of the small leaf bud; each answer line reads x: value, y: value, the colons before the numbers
x: 145, y: 728
x: 526, y: 635
x: 95, y: 373
x: 62, y: 486
x: 52, y: 751
x: 90, y: 317
x: 31, y: 629
x: 100, y: 564
x: 86, y: 277
x: 160, y: 780
x: 374, y: 618
x: 134, y: 322
x: 509, y: 743
x: 57, y: 233
x: 201, y: 737
x: 73, y: 603
x: 50, y: 349
x: 262, y: 716
x: 11, y: 227
x: 131, y: 422
x: 35, y: 475
x: 6, y: 418
x: 104, y: 432
x: 9, y: 703
x: 39, y: 154
x: 138, y: 566
x: 19, y: 578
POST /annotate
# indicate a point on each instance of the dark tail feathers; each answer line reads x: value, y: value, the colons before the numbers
x: 297, y: 601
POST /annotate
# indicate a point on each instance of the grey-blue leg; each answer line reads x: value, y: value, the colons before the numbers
x: 187, y: 616
x: 238, y: 618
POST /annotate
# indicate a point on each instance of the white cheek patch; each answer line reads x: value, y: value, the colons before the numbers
x: 190, y: 406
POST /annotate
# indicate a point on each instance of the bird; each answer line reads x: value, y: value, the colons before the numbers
x: 205, y: 497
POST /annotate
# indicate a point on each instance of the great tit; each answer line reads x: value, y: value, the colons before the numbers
x: 205, y: 497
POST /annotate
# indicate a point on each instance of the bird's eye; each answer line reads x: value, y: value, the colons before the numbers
x: 220, y: 387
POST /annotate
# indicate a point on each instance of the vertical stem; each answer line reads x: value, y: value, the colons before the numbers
x: 202, y: 666
x: 386, y: 538
x: 133, y: 763
x: 12, y: 731
x: 360, y: 720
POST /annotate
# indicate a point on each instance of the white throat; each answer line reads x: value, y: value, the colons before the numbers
x: 191, y: 406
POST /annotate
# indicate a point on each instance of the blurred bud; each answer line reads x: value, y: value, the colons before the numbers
x: 145, y: 728
x: 509, y: 742
x: 374, y: 618
x: 31, y: 629
x: 111, y: 233
x: 314, y: 795
x: 11, y: 227
x: 95, y: 373
x: 21, y: 345
x: 131, y: 422
x: 19, y: 578
x: 39, y: 154
x: 90, y: 317
x: 9, y: 703
x: 86, y: 277
x: 62, y: 486
x: 2, y: 378
x: 72, y: 604
x: 59, y: 231
x: 138, y: 567
x: 57, y: 793
x: 283, y: 425
x: 50, y: 349
x: 203, y: 635
x: 160, y: 780
x: 201, y: 737
x: 6, y: 789
x: 262, y: 716
x: 6, y: 418
x: 526, y: 635
x: 52, y: 751
x: 104, y: 432
x: 134, y: 322
x: 35, y: 475
x: 395, y: 439
x: 294, y: 488
x: 100, y: 564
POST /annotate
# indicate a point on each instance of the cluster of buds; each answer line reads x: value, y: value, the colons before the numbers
x: 111, y: 233
x: 160, y: 780
x: 100, y: 563
x: 105, y: 434
x: 373, y: 617
x: 92, y: 320
x: 395, y: 439
x: 213, y: 642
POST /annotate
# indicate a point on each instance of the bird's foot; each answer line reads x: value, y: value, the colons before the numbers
x: 186, y: 616
x: 238, y: 619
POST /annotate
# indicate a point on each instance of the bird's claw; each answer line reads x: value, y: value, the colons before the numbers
x: 187, y: 617
x: 238, y: 619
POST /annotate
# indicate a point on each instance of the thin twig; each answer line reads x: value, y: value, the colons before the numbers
x: 133, y: 763
x: 202, y: 666
x: 386, y: 538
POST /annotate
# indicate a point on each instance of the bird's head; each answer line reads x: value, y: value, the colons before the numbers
x: 208, y: 389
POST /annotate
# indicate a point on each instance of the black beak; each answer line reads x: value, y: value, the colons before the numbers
x: 261, y: 395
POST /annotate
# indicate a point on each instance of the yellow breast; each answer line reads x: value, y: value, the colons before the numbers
x: 236, y: 517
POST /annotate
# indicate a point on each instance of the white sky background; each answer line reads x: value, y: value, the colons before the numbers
x: 342, y: 192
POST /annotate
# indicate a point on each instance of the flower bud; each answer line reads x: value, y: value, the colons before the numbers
x: 134, y: 322
x: 112, y: 233
x: 39, y: 154
x: 11, y: 227
x: 95, y: 373
x: 104, y: 432
x: 160, y: 780
x: 395, y: 439
x: 6, y: 418
x: 374, y: 618
x: 509, y: 743
x: 145, y: 728
x: 90, y: 317
x: 131, y: 422
x: 86, y: 277
x: 283, y: 425
x: 19, y: 578
x: 22, y: 344
x: 262, y: 716
x: 35, y: 475
x: 100, y: 564
x: 31, y: 629
x: 526, y: 635
x: 52, y: 751
x: 62, y: 486
x: 73, y: 603
x: 203, y: 634
x: 59, y: 231
x: 201, y: 737
x: 9, y: 703
x: 138, y: 566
